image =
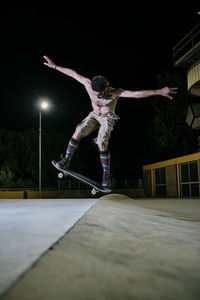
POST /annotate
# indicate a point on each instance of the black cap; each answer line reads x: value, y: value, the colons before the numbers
x: 99, y: 83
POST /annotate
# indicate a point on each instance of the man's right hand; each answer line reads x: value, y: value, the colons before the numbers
x: 49, y: 62
x: 85, y: 81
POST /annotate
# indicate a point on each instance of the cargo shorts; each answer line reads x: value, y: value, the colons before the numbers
x: 93, y: 122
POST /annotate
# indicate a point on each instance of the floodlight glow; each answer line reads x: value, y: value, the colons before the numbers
x: 44, y: 105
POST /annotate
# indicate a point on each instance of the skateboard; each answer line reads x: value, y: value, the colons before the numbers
x: 96, y: 187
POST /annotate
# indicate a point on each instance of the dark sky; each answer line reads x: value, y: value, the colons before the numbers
x: 128, y: 45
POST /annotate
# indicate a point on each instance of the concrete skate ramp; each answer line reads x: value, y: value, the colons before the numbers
x: 28, y: 228
x: 115, y: 197
x: 121, y: 249
x: 182, y: 209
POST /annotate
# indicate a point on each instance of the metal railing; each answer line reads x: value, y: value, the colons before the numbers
x: 71, y: 184
x: 187, y: 43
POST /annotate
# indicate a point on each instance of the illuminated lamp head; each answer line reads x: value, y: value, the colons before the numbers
x: 99, y: 83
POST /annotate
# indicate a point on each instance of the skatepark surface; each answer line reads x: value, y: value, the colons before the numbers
x: 115, y: 248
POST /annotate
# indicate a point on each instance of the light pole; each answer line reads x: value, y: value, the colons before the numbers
x: 43, y: 106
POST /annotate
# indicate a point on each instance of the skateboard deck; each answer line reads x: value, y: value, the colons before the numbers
x: 96, y: 187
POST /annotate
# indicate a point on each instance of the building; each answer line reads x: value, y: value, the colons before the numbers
x: 177, y: 177
x: 187, y: 54
x: 180, y: 177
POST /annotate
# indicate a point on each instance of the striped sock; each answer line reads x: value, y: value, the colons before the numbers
x: 72, y: 146
x: 105, y: 161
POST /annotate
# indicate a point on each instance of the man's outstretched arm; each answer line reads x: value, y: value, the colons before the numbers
x: 67, y: 71
x: 165, y: 92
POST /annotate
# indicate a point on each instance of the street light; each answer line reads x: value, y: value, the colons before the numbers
x: 42, y: 106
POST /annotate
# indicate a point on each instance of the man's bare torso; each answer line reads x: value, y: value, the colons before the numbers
x: 101, y: 106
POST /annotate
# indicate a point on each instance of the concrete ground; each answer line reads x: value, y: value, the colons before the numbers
x: 122, y: 249
x: 28, y: 228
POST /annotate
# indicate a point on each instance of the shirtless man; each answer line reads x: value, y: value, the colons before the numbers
x: 103, y: 100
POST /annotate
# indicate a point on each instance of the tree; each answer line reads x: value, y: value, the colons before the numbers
x: 6, y: 177
x: 19, y: 158
x: 171, y: 136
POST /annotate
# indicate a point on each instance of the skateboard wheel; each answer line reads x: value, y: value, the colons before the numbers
x: 60, y: 175
x: 94, y: 191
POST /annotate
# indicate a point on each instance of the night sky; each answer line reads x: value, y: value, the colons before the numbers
x: 128, y: 45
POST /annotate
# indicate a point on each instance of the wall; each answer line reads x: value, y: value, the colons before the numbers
x: 171, y: 181
x: 147, y: 183
x: 11, y: 194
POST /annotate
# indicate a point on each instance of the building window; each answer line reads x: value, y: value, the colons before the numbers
x: 189, y: 179
x: 160, y: 182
